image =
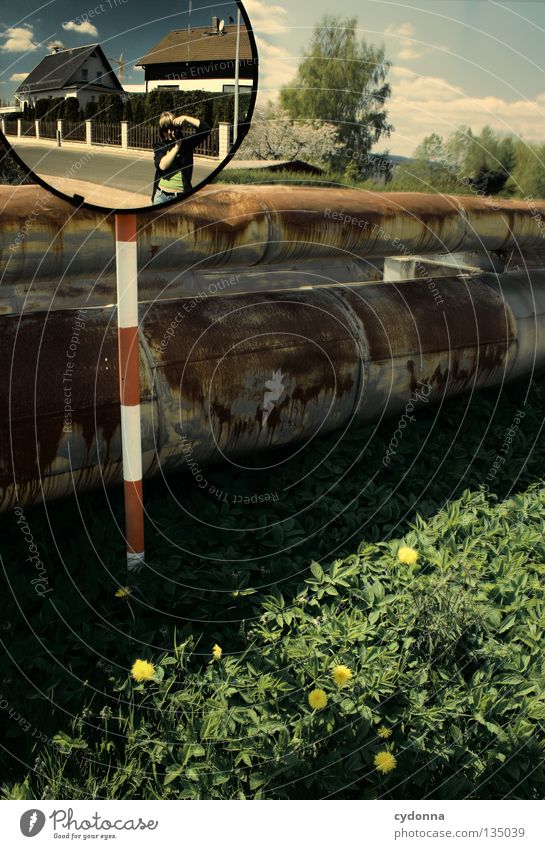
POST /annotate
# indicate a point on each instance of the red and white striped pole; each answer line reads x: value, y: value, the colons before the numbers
x: 129, y: 382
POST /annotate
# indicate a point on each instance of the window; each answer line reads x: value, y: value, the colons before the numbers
x: 84, y: 74
x: 242, y: 89
x: 98, y: 76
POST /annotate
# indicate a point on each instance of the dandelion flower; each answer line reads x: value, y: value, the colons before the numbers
x: 217, y: 652
x: 142, y: 670
x: 123, y: 592
x: 408, y: 555
x: 341, y: 675
x: 384, y: 732
x: 317, y: 699
x: 385, y: 762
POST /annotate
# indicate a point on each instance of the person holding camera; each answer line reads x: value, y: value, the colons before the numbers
x: 173, y: 155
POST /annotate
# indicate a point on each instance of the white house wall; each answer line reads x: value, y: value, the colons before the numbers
x: 184, y: 85
x: 93, y: 66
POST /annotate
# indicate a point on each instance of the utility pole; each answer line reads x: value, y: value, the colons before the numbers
x: 237, y: 78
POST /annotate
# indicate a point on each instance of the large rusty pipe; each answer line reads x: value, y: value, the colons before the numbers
x: 234, y: 374
x: 45, y: 239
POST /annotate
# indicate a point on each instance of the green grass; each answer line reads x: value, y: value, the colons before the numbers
x: 447, y: 655
x: 413, y: 177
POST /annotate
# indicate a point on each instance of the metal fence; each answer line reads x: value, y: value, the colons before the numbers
x: 73, y: 131
x: 48, y: 129
x: 139, y: 136
x: 28, y: 128
x: 211, y: 145
x: 106, y: 134
x: 144, y: 136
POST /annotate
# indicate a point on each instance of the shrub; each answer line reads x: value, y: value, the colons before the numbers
x: 445, y: 654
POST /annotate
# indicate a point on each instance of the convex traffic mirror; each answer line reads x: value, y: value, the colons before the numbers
x: 127, y: 104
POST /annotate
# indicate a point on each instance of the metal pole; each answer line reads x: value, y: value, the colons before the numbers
x: 237, y: 77
x: 129, y: 383
x: 188, y: 30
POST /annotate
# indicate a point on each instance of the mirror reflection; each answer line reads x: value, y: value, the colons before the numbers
x: 127, y: 104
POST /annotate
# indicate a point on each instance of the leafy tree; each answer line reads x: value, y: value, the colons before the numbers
x: 138, y: 109
x: 482, y: 163
x: 127, y: 110
x: 91, y: 110
x: 430, y: 149
x: 109, y: 109
x: 11, y: 174
x: 71, y: 109
x: 528, y: 175
x: 342, y: 80
x: 274, y: 135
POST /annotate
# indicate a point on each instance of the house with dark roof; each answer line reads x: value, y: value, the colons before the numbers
x: 81, y: 72
x: 200, y: 58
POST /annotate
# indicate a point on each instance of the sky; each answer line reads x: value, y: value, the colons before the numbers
x: 29, y: 28
x: 454, y: 62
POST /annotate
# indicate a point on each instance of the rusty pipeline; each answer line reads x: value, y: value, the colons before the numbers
x: 46, y: 241
x: 238, y: 373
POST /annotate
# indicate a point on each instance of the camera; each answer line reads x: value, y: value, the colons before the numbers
x: 178, y: 132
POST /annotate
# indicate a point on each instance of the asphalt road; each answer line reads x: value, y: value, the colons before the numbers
x: 96, y: 165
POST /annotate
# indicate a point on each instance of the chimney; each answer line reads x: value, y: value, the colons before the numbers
x: 55, y: 48
x: 215, y: 23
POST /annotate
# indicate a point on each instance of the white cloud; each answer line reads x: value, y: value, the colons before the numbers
x: 19, y: 40
x: 408, y: 85
x: 16, y: 78
x: 407, y: 53
x: 407, y: 48
x: 83, y: 28
x: 266, y: 19
x: 400, y: 30
x: 421, y: 105
x: 277, y: 67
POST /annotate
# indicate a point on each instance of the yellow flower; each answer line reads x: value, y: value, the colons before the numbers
x: 217, y: 652
x: 123, y: 592
x: 384, y: 732
x: 385, y: 762
x: 142, y: 670
x: 408, y: 555
x: 317, y: 699
x: 341, y: 675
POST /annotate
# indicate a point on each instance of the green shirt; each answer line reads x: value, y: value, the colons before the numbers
x: 174, y: 183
